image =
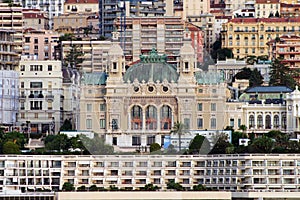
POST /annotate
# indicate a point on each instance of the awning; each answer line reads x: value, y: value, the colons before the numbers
x: 98, y: 170
x: 84, y: 162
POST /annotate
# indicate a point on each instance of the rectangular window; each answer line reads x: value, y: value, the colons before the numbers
x: 213, y: 123
x: 114, y: 124
x: 186, y: 123
x: 199, y: 106
x: 186, y: 65
x: 27, y: 39
x: 150, y: 139
x: 102, y: 107
x: 49, y: 67
x: 115, y: 141
x: 22, y: 68
x: 200, y: 123
x: 232, y: 122
x: 36, y: 40
x: 89, y: 123
x: 22, y: 84
x: 36, y: 85
x: 114, y: 66
x: 136, y: 140
x: 89, y: 107
x: 213, y: 107
x: 102, y: 123
x: 239, y: 122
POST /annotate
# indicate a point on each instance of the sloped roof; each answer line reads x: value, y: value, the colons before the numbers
x: 94, y: 78
x: 269, y: 89
x: 152, y: 67
x: 209, y: 78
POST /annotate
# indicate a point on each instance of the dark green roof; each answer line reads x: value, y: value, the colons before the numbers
x: 94, y: 78
x: 152, y: 67
x: 269, y: 89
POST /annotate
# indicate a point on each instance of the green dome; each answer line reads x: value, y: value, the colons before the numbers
x: 151, y: 68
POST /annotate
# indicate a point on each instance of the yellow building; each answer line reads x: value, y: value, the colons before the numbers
x: 249, y: 36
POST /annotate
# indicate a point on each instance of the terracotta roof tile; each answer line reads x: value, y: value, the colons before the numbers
x: 33, y: 15
x: 267, y: 1
x: 81, y: 1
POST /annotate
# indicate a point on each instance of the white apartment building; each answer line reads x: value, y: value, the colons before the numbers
x: 51, y: 7
x: 9, y: 79
x: 257, y: 172
x: 41, y: 95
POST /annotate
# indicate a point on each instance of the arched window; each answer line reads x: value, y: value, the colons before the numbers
x: 136, y: 118
x: 251, y: 121
x: 259, y: 121
x: 268, y: 122
x: 276, y: 121
x: 151, y: 118
x: 166, y: 118
x: 283, y: 121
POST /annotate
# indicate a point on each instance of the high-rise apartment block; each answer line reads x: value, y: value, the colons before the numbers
x: 39, y: 45
x: 109, y: 10
x: 51, y: 7
x: 11, y: 18
x: 162, y: 33
x: 9, y: 79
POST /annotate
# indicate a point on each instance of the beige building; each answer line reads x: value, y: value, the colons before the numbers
x: 41, y: 96
x: 35, y: 19
x: 39, y: 44
x: 287, y: 48
x: 162, y: 33
x: 193, y: 8
x: 141, y: 104
x: 11, y: 18
x: 240, y: 174
x: 249, y: 36
x: 70, y: 22
x: 95, y: 54
x: 81, y: 6
x: 266, y: 8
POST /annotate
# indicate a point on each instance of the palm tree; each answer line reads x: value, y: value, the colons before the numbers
x: 178, y: 129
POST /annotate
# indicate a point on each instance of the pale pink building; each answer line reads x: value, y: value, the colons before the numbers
x: 39, y: 45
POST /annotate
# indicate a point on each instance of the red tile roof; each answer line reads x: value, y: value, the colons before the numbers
x: 285, y: 5
x: 33, y: 15
x: 81, y: 1
x: 266, y: 20
x: 267, y: 1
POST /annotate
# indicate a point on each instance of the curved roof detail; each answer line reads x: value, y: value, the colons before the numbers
x: 152, y: 68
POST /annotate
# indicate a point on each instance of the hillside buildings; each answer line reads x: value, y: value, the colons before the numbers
x: 236, y: 173
x: 249, y: 36
x: 9, y: 79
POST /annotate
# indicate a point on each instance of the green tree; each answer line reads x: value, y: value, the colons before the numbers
x: 15, y: 137
x: 199, y: 187
x: 243, y: 128
x: 178, y: 129
x: 262, y: 145
x: 199, y: 145
x: 174, y: 186
x: 97, y: 146
x: 57, y: 142
x: 154, y: 147
x: 221, y: 143
x: 150, y: 187
x: 254, y: 76
x: 171, y: 150
x: 68, y: 187
x: 224, y: 53
x: 10, y: 147
x: 67, y: 126
x: 281, y: 74
x: 75, y: 57
x: 236, y: 136
x: 93, y: 188
x: 81, y: 188
x: 113, y: 188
